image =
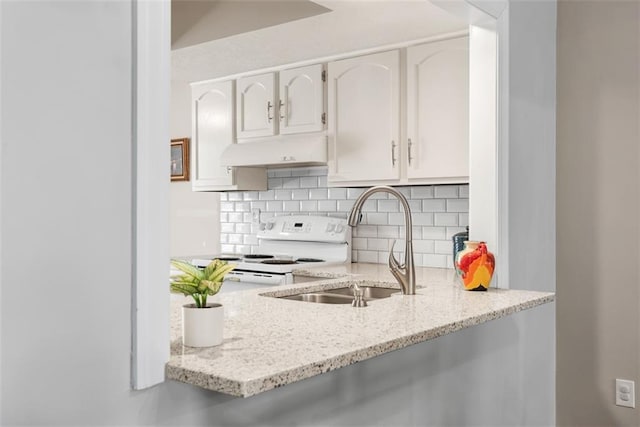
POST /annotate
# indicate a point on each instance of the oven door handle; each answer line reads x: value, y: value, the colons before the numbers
x: 260, y: 278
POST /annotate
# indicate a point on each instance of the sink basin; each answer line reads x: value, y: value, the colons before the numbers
x: 369, y: 292
x: 321, y: 298
x: 342, y: 295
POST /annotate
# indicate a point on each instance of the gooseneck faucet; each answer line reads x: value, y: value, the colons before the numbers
x: 405, y: 273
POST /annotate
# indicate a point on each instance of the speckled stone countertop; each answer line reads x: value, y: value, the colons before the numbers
x: 271, y: 342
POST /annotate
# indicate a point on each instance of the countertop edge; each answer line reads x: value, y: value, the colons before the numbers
x: 256, y: 386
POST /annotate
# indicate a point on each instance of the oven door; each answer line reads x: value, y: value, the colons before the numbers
x: 240, y: 280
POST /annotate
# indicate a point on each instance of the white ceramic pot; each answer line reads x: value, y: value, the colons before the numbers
x: 202, y: 327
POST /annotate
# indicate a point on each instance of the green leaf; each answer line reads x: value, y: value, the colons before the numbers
x: 183, y: 288
x: 189, y: 269
x: 219, y: 273
x: 213, y: 287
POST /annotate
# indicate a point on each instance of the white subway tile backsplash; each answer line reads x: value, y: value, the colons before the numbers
x: 463, y: 219
x: 292, y: 206
x: 446, y: 219
x: 423, y: 246
x: 293, y: 182
x: 458, y: 205
x: 227, y: 207
x: 274, y: 206
x: 423, y: 218
x: 345, y: 205
x: 227, y: 227
x: 434, y: 205
x: 267, y: 195
x: 389, y: 231
x: 283, y: 194
x: 250, y: 195
x: 309, y: 182
x: 337, y: 193
x: 310, y: 206
x: 327, y: 205
x: 378, y: 244
x: 235, y: 216
x: 435, y: 260
x: 300, y: 194
x: 444, y: 247
x: 445, y: 192
x: 243, y: 227
x: 235, y: 239
x: 243, y: 207
x: 274, y: 183
x: 318, y: 194
x: 387, y: 205
x: 365, y: 231
x: 368, y: 256
x: 434, y: 233
x: 359, y: 243
x: 422, y: 192
x: 438, y: 213
x: 376, y: 218
x: 354, y: 193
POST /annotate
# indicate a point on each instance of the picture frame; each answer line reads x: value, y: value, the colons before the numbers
x: 180, y: 159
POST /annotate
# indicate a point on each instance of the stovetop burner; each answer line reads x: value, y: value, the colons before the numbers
x: 278, y: 261
x: 310, y: 260
x: 257, y: 256
x: 228, y: 258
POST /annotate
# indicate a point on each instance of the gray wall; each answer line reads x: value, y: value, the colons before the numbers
x: 65, y: 219
x: 598, y: 209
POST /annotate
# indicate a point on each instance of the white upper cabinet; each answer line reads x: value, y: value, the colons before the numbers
x: 256, y: 106
x: 296, y: 105
x: 438, y: 111
x: 212, y: 132
x: 364, y: 119
x: 301, y: 104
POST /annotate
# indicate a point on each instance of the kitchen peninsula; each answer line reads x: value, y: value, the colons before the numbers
x: 270, y: 342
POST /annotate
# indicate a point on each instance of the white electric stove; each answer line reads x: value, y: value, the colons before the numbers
x: 286, y: 243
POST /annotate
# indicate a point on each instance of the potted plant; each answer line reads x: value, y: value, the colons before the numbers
x: 202, y: 322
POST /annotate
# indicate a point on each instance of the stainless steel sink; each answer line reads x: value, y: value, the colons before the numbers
x: 342, y: 295
x: 321, y: 298
x: 369, y: 292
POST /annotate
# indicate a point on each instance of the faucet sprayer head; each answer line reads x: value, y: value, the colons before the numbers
x: 354, y: 217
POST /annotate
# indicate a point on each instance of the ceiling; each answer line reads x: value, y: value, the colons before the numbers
x: 243, y: 36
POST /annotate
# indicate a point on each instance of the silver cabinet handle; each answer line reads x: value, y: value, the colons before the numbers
x: 393, y: 153
x: 281, y: 109
x: 228, y: 170
x: 269, y: 107
x: 409, y: 151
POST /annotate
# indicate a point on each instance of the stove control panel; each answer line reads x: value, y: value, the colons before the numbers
x: 306, y: 228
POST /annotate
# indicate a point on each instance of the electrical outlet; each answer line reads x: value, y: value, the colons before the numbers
x: 255, y: 215
x: 625, y: 393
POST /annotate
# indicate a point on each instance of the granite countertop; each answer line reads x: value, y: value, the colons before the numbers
x: 271, y: 342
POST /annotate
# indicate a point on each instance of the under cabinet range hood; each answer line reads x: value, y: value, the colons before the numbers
x: 278, y: 151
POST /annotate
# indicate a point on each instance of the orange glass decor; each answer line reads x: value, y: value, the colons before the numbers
x: 474, y: 266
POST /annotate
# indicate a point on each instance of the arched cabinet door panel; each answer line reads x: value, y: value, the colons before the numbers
x: 256, y: 106
x: 301, y: 104
x: 438, y: 110
x: 364, y: 118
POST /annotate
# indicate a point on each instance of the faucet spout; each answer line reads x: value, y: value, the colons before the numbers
x: 404, y: 273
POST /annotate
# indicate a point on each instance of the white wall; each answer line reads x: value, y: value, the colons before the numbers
x: 66, y: 83
x: 194, y: 216
x: 598, y: 209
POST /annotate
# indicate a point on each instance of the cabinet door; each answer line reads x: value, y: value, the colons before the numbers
x: 256, y: 107
x: 301, y: 104
x: 364, y: 118
x: 438, y: 110
x: 212, y: 132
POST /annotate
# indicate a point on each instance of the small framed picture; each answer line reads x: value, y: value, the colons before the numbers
x: 180, y: 159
